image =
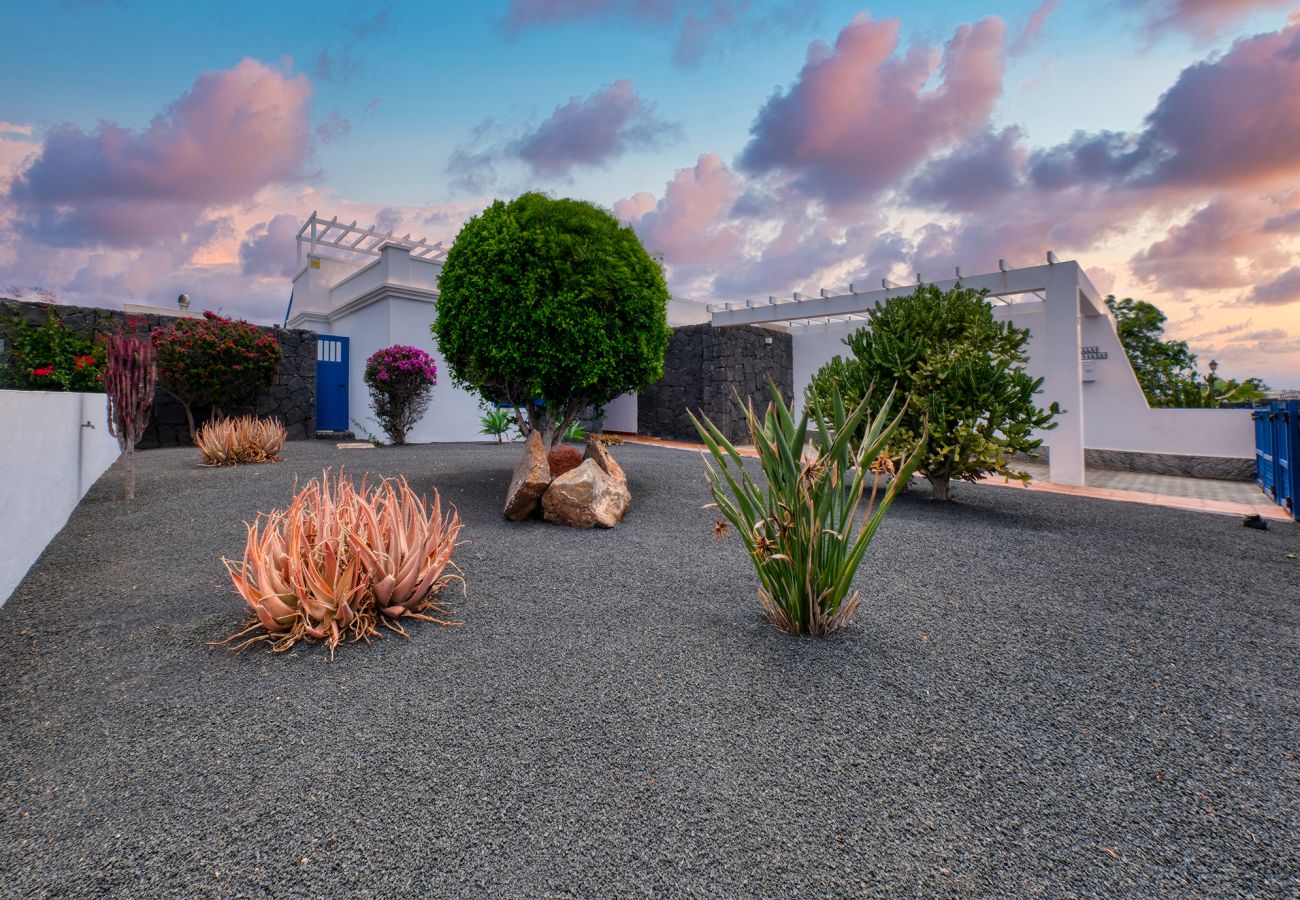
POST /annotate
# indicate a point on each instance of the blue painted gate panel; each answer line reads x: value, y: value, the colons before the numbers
x: 331, y: 383
x: 1277, y: 445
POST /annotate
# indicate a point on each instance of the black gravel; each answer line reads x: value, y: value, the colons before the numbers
x: 1041, y: 696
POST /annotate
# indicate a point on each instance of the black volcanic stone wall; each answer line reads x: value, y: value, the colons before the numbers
x: 704, y: 368
x: 291, y: 398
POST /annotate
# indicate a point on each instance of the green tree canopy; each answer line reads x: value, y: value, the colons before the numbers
x: 960, y: 369
x: 553, y: 301
x: 1166, y: 369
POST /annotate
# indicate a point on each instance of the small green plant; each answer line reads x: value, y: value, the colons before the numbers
x: 800, y: 531
x: 367, y: 435
x: 496, y: 423
x: 575, y: 433
x: 49, y: 357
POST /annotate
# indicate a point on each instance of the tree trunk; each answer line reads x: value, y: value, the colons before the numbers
x: 130, y: 472
x: 189, y: 416
x: 939, y: 484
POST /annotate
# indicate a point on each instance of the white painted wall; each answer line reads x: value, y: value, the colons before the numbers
x: 49, y: 462
x: 1116, y: 414
x: 620, y: 414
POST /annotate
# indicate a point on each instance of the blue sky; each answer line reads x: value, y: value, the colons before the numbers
x: 396, y: 97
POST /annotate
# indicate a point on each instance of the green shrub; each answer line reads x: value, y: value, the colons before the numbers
x: 49, y: 357
x: 800, y: 531
x: 551, y: 300
x: 963, y: 374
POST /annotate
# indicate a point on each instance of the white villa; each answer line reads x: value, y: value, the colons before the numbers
x: 361, y: 290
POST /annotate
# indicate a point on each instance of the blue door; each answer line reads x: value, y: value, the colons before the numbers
x: 331, y: 383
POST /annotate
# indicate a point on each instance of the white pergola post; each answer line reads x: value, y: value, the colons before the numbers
x: 1063, y: 374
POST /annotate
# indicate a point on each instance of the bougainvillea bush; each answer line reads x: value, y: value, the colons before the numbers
x: 49, y: 357
x: 401, y: 381
x: 215, y: 362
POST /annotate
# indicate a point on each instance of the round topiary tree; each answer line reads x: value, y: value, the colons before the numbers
x: 214, y: 361
x: 401, y: 381
x: 551, y: 306
x: 960, y: 370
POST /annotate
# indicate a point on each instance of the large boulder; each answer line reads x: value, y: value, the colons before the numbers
x: 532, y: 475
x: 586, y: 496
x: 600, y: 454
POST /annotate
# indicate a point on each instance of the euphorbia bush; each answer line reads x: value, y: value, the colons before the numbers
x: 401, y: 381
x: 342, y: 561
x: 49, y: 357
x: 800, y: 531
x: 129, y: 383
x: 215, y: 362
x: 227, y: 442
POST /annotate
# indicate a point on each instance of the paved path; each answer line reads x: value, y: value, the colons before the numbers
x: 1233, y: 498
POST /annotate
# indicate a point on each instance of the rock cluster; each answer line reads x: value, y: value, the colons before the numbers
x: 592, y: 494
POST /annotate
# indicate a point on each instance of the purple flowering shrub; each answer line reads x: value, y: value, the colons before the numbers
x: 401, y: 381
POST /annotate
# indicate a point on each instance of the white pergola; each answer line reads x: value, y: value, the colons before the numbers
x: 1061, y: 288
x: 317, y: 232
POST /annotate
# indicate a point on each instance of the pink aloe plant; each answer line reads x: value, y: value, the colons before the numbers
x: 129, y: 384
x: 343, y: 560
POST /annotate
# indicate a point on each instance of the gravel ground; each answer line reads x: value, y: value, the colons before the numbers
x: 1040, y: 695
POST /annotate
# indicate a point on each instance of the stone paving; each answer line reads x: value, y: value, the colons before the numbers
x: 1163, y: 485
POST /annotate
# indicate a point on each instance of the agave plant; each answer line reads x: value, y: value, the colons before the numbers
x: 800, y: 532
x: 343, y: 560
x: 226, y: 441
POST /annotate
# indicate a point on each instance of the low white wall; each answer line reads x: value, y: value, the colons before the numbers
x: 49, y: 460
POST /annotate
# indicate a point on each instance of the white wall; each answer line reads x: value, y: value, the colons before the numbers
x: 620, y: 414
x: 1116, y: 414
x: 49, y: 461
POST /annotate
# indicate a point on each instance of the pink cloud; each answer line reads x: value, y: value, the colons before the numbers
x: 1202, y: 18
x: 1218, y: 247
x: 689, y: 224
x: 698, y: 23
x: 1033, y: 27
x: 592, y: 131
x: 269, y: 249
x: 235, y: 132
x: 859, y: 117
x: 1251, y: 95
x: 1282, y: 290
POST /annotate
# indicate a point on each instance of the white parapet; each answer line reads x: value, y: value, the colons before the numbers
x: 56, y: 446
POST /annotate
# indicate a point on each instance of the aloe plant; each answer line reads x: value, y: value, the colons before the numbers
x: 800, y: 531
x: 343, y: 560
x: 246, y: 439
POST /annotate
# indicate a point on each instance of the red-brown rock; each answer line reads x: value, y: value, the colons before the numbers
x: 532, y: 475
x: 563, y: 459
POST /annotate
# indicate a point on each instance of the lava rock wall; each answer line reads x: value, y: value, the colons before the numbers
x: 291, y: 398
x: 704, y: 369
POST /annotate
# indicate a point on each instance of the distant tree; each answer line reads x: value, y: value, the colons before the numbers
x: 959, y: 369
x: 550, y: 306
x: 1166, y: 369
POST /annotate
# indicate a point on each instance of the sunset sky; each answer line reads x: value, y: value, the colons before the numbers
x: 152, y: 148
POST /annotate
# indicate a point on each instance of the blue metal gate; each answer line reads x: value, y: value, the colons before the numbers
x: 331, y: 383
x: 1277, y: 445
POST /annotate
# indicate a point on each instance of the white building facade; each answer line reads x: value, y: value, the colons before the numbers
x: 1073, y: 346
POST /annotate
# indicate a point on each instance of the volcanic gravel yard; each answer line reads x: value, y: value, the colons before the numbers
x: 1041, y: 695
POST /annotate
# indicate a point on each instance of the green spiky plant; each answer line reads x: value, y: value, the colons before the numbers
x: 800, y: 531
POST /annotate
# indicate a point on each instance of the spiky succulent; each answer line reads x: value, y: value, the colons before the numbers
x: 341, y: 561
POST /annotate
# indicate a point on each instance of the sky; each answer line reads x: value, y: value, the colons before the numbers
x: 762, y: 146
